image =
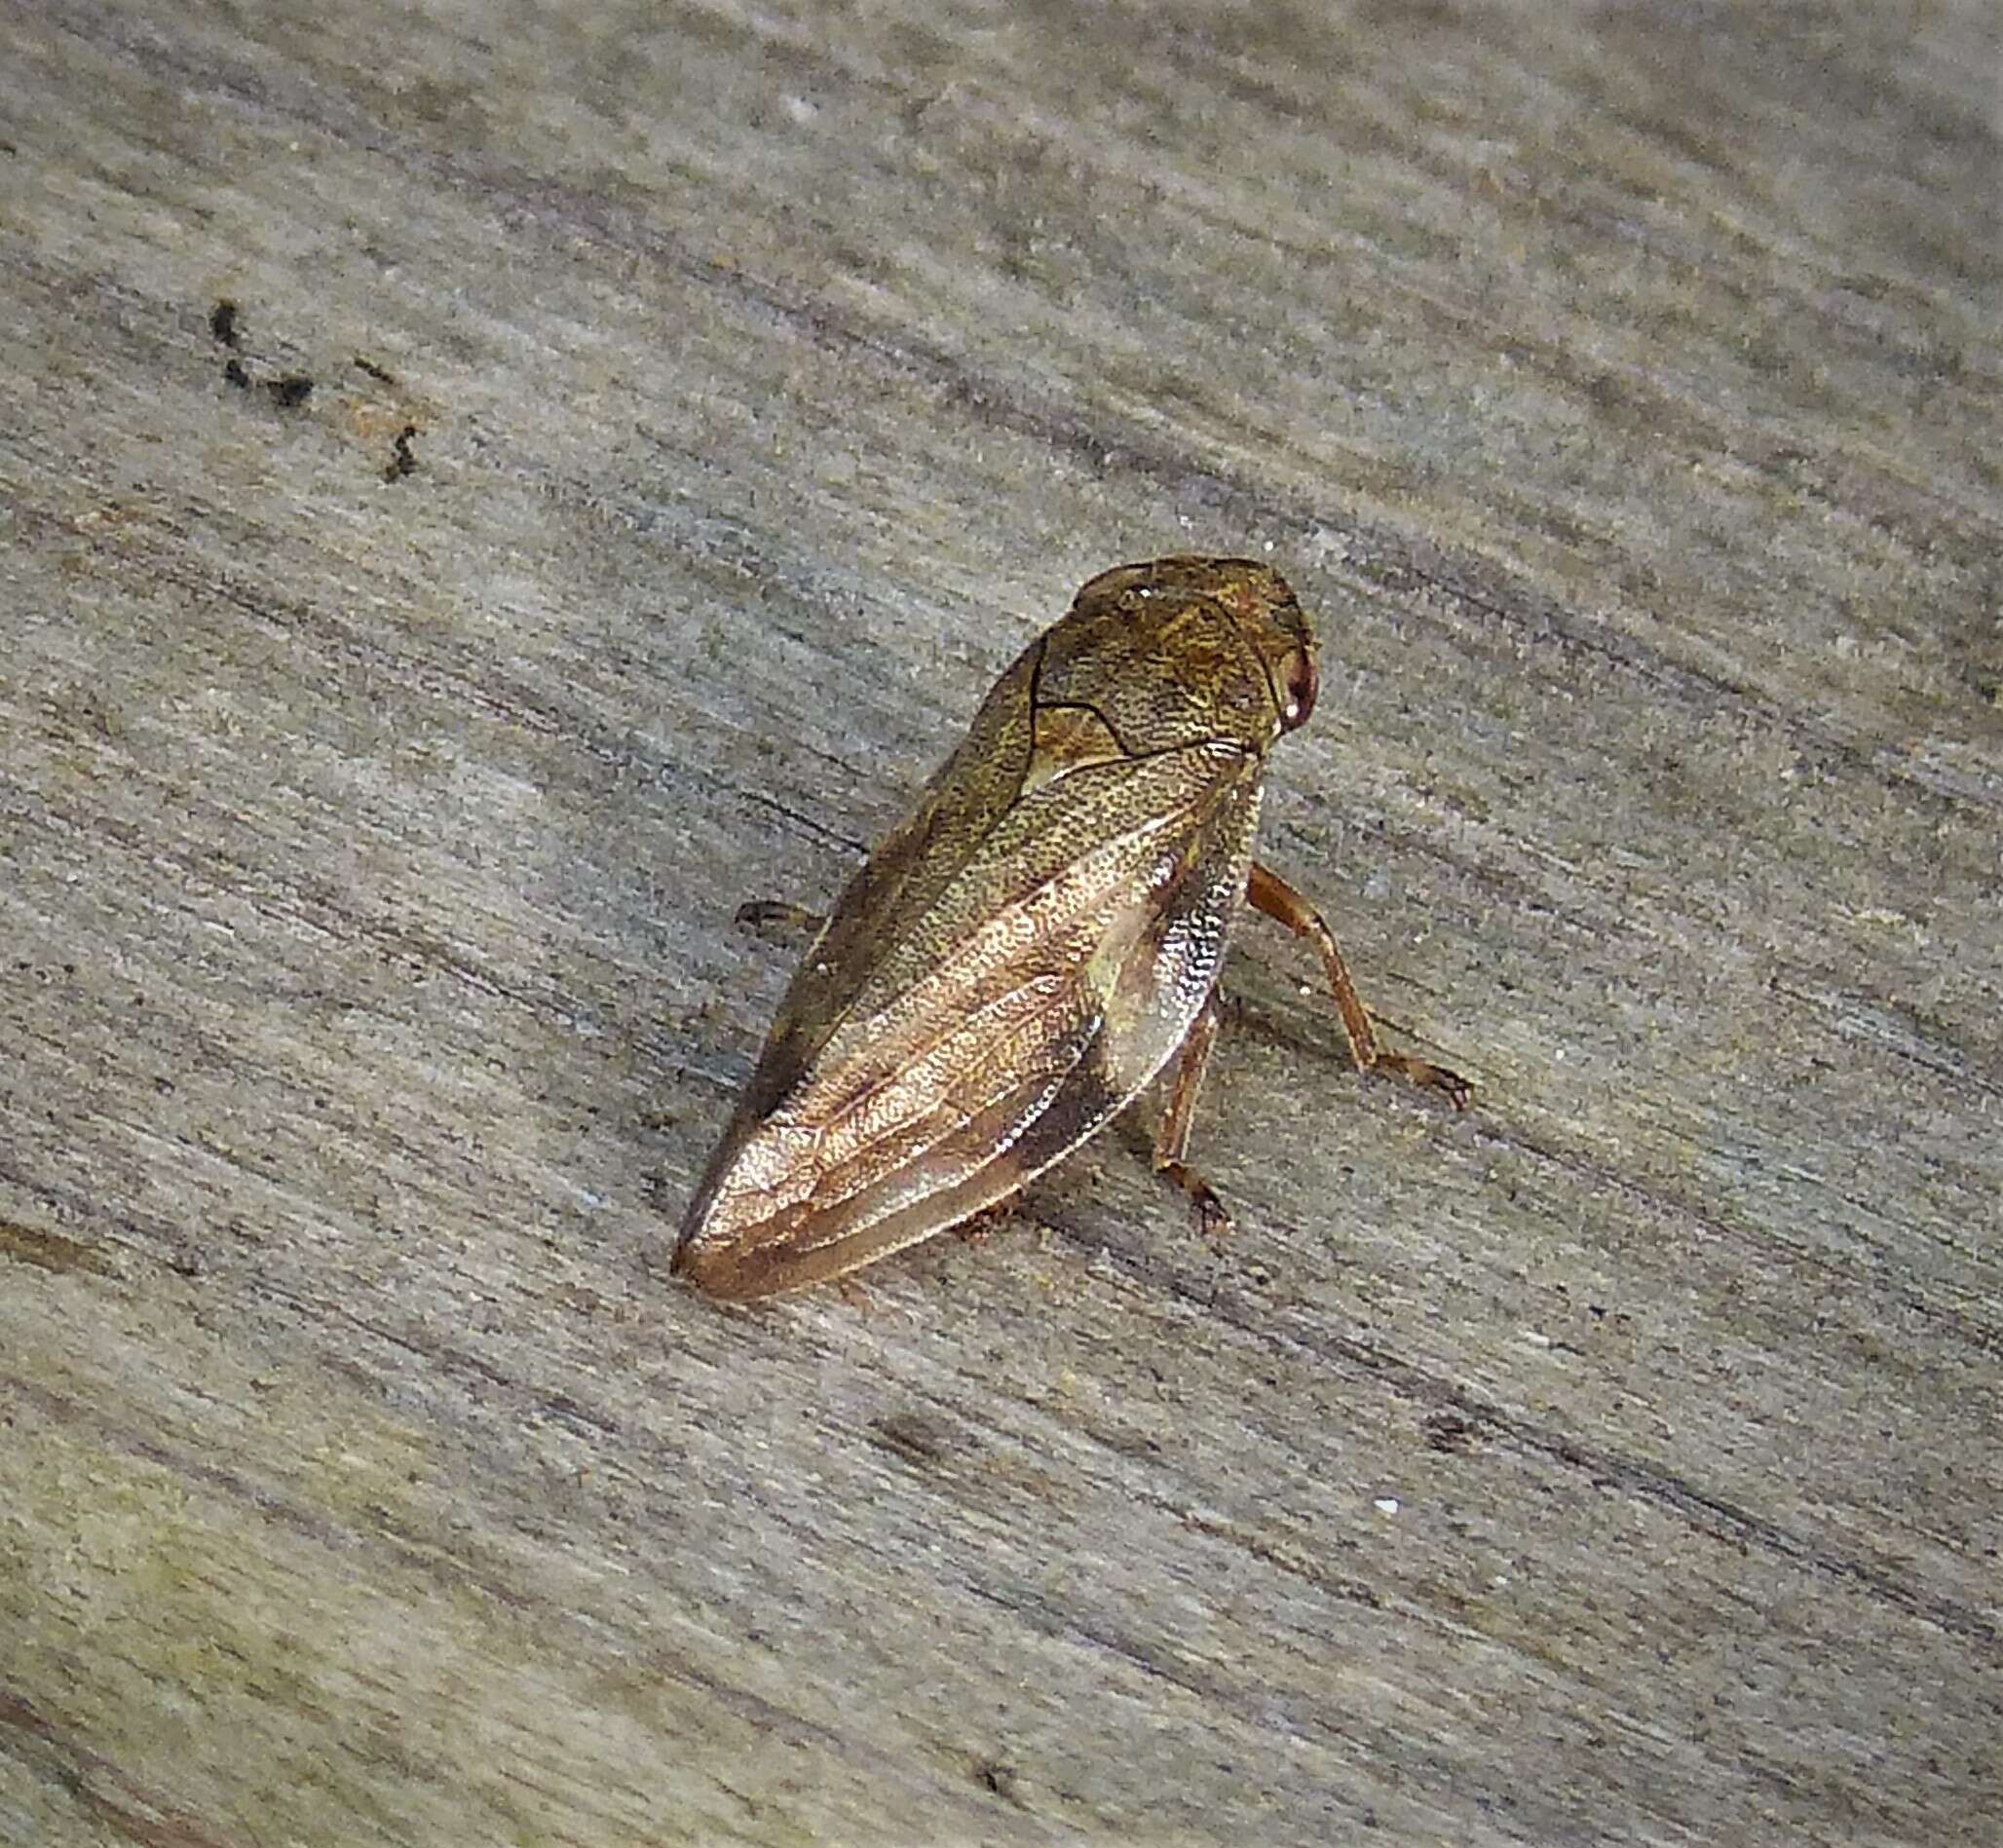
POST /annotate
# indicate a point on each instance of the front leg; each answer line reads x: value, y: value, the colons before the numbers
x: 1268, y: 893
x: 769, y: 914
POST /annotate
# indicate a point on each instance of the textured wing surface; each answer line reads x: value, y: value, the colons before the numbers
x: 1055, y: 948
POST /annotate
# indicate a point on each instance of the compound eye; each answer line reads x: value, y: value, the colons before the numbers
x: 1298, y: 684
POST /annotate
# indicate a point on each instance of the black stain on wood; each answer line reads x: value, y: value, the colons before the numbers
x: 918, y: 1439
x: 1449, y: 1432
x: 401, y: 461
x: 996, y: 1779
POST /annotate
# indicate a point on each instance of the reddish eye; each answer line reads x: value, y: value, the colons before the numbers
x: 1298, y: 688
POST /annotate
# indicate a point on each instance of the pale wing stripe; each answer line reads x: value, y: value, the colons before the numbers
x: 1061, y: 829
x: 970, y: 1146
x: 1057, y: 925
x: 786, y: 1161
x: 1029, y: 1052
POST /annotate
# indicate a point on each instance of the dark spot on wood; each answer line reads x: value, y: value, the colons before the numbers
x: 222, y: 323
x: 401, y: 461
x: 234, y: 372
x: 381, y: 374
x: 289, y: 392
x: 1449, y: 1432
x: 914, y: 1437
x: 996, y: 1779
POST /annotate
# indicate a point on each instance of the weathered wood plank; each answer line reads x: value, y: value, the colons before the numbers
x: 1617, y: 1462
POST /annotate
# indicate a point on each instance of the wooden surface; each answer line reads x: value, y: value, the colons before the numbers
x: 1621, y: 388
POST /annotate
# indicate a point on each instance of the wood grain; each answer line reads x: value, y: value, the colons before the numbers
x: 1621, y: 389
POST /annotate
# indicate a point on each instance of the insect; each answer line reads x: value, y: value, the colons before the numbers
x: 1036, y: 942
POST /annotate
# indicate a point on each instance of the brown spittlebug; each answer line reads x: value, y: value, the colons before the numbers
x: 1036, y: 943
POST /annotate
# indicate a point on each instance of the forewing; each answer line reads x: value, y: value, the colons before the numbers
x: 1059, y: 962
x: 958, y: 810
